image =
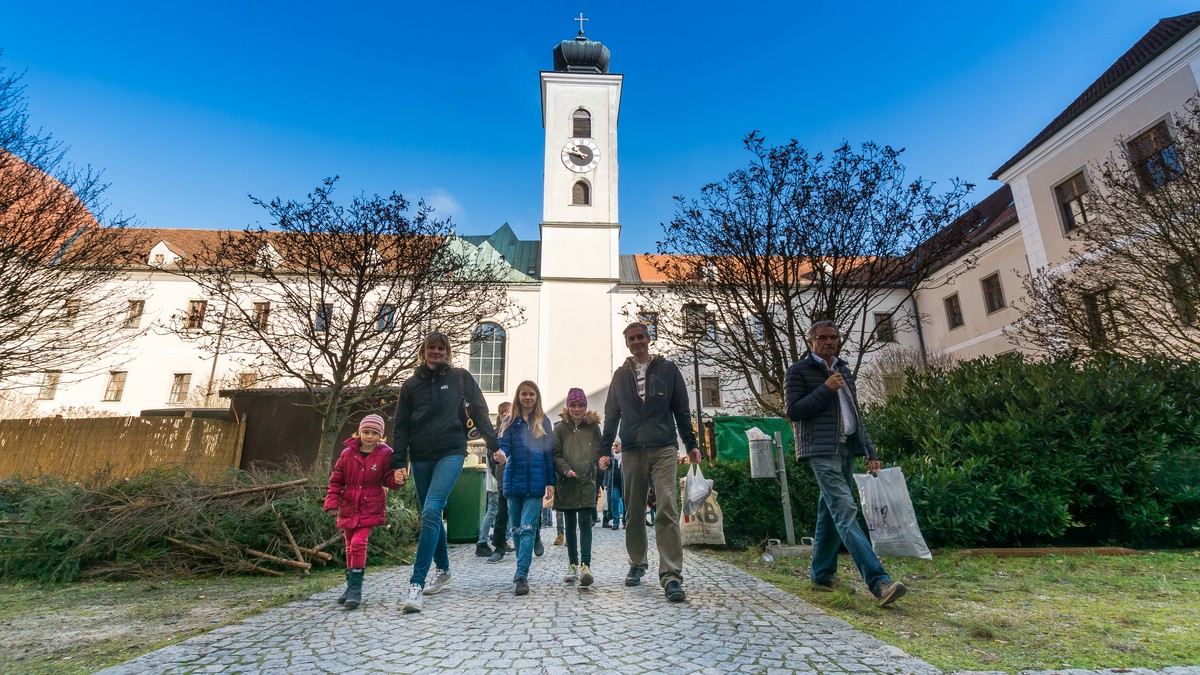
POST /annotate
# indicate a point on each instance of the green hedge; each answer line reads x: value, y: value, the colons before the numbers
x: 1007, y: 452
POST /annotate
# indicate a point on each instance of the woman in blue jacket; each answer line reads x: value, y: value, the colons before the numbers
x: 527, y: 453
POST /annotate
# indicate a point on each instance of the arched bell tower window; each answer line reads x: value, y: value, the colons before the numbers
x: 581, y: 124
x: 486, y: 364
x: 581, y: 194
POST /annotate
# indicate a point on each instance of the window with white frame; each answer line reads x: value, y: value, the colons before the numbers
x: 650, y: 319
x: 581, y: 124
x: 180, y: 383
x: 1154, y: 156
x: 710, y: 392
x: 486, y: 363
x: 323, y: 319
x: 133, y: 313
x: 49, y: 387
x: 1074, y: 202
x: 884, y: 332
x: 116, y: 385
x: 1101, y: 312
x: 195, y: 314
x: 261, y: 315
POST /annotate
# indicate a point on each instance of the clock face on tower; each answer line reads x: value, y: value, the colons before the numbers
x: 580, y: 155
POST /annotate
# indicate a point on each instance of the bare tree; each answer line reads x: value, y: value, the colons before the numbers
x: 62, y: 291
x: 338, y: 298
x: 794, y: 238
x: 1134, y: 264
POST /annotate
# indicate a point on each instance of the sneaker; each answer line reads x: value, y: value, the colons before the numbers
x: 634, y: 578
x: 521, y: 587
x: 496, y: 556
x: 890, y: 592
x: 834, y: 584
x: 439, y: 582
x: 482, y: 550
x: 674, y: 591
x: 558, y: 541
x: 572, y: 574
x: 616, y: 526
x: 585, y: 575
x: 538, y: 549
x: 508, y: 546
x: 415, y: 599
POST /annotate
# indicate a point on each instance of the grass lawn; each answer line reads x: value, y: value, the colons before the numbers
x: 1010, y: 614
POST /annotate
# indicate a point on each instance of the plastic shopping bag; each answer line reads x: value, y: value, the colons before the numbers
x: 696, y: 489
x: 706, y: 525
x: 889, y: 513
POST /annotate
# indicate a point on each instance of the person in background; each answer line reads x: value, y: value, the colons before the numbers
x: 616, y: 507
x: 822, y: 401
x: 496, y: 516
x: 526, y: 449
x: 501, y: 533
x: 356, y: 492
x: 576, y: 455
x: 431, y: 435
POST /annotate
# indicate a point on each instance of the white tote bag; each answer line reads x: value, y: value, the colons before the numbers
x: 889, y: 513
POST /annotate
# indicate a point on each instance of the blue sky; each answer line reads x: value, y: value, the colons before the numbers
x: 190, y: 107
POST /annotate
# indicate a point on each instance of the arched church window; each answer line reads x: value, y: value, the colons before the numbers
x: 581, y: 194
x: 486, y: 364
x: 581, y: 124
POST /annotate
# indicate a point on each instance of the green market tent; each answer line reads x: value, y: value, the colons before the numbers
x: 732, y: 444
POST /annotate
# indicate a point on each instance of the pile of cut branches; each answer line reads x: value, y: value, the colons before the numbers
x: 168, y: 523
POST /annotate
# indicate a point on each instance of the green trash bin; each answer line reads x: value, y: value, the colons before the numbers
x: 466, y: 506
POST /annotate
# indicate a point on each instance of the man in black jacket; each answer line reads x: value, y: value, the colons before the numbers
x: 647, y: 398
x: 823, y: 402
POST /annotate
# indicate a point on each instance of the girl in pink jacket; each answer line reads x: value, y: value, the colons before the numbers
x: 356, y: 492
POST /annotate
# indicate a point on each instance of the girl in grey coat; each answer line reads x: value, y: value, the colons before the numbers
x: 576, y: 452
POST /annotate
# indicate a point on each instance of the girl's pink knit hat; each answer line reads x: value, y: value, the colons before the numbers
x: 373, y: 422
x: 576, y: 395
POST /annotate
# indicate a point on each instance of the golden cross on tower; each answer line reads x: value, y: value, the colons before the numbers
x: 580, y: 19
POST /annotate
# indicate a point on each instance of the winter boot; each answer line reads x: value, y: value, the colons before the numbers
x: 354, y: 581
x: 345, y: 593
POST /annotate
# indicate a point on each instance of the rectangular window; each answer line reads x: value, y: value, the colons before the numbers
x: 1101, y: 312
x: 1154, y: 157
x: 49, y: 387
x: 710, y: 392
x: 116, y: 385
x: 70, y: 312
x: 179, y: 388
x: 993, y: 293
x: 262, y: 314
x: 1074, y: 202
x: 386, y: 321
x: 651, y: 321
x: 323, y: 320
x: 1185, y: 292
x: 133, y: 313
x: 883, y: 328
x: 954, y: 317
x: 195, y: 314
x: 246, y: 380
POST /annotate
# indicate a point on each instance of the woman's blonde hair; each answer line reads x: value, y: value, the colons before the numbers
x: 435, y: 338
x: 536, y: 419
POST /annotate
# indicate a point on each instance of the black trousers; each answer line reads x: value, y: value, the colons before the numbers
x: 579, y: 544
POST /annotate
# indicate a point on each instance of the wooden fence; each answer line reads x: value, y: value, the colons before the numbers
x: 127, y: 446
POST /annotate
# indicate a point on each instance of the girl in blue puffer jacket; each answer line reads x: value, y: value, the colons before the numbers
x: 527, y: 453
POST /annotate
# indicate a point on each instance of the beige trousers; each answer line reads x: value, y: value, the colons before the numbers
x: 638, y: 468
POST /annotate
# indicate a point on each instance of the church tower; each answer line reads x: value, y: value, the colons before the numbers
x: 580, y: 230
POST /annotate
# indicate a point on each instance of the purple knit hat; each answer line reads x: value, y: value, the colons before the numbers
x: 576, y: 395
x: 373, y: 422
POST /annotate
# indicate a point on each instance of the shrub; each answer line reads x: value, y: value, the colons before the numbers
x: 1003, y: 451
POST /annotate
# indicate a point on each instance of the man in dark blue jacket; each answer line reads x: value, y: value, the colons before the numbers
x: 823, y: 402
x: 647, y: 399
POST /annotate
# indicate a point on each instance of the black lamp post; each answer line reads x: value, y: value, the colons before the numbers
x: 693, y: 317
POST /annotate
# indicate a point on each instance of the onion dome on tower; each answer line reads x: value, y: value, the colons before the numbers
x: 581, y: 55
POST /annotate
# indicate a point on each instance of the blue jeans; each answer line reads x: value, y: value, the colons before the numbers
x: 837, y: 523
x: 489, y: 516
x: 434, y: 481
x: 524, y: 512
